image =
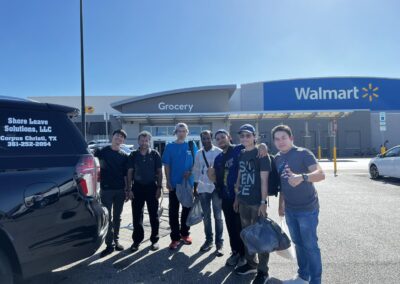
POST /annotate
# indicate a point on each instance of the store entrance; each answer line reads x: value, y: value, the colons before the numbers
x: 159, y: 146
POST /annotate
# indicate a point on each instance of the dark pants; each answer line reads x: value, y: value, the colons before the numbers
x: 177, y: 232
x: 249, y: 216
x: 234, y: 226
x: 113, y: 200
x: 142, y: 194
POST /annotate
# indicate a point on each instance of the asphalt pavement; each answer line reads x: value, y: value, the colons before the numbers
x: 359, y: 237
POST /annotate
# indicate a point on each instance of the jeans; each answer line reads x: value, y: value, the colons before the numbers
x: 113, y: 200
x: 234, y: 226
x: 145, y: 194
x: 174, y: 205
x: 249, y: 216
x: 205, y: 200
x: 303, y: 230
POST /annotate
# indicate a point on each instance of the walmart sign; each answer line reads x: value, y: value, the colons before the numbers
x: 373, y: 94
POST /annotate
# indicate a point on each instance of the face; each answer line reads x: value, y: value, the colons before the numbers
x: 246, y: 139
x: 181, y: 133
x: 283, y: 142
x: 222, y: 140
x: 118, y: 139
x: 206, y: 140
x: 144, y: 142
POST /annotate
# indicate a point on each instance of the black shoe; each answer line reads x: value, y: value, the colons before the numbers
x: 119, y: 247
x: 261, y: 278
x: 107, y: 251
x: 134, y: 247
x: 245, y: 269
x: 219, y: 251
x: 155, y: 246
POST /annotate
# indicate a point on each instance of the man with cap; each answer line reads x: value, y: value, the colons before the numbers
x: 251, y: 197
x: 226, y: 171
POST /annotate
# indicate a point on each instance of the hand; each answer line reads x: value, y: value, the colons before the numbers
x: 158, y: 192
x: 262, y: 210
x: 281, y: 210
x: 169, y: 186
x: 211, y: 174
x: 293, y: 179
x: 187, y: 174
x: 129, y: 195
x: 236, y: 205
x: 262, y: 150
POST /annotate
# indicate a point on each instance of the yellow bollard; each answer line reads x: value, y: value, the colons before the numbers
x: 383, y: 150
x: 334, y: 161
x: 319, y: 153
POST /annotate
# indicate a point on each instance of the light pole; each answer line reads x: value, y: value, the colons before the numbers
x: 83, y: 107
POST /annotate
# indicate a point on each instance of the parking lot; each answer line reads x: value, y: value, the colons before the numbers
x: 359, y: 239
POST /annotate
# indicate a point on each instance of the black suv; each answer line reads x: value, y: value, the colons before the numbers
x: 50, y: 214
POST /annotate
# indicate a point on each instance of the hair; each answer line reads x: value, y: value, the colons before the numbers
x: 121, y: 132
x: 283, y: 128
x: 144, y: 134
x: 180, y: 125
x: 206, y: 132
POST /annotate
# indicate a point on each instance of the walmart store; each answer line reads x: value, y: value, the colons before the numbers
x: 357, y: 113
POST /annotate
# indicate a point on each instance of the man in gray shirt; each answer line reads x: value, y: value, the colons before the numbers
x: 298, y: 201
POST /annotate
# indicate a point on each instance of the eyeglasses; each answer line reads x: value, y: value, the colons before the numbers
x: 246, y: 135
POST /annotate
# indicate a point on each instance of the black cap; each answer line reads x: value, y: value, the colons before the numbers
x: 222, y: 131
x: 247, y: 128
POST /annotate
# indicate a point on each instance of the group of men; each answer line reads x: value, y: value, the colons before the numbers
x: 228, y: 178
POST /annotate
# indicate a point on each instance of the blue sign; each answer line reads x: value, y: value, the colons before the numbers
x: 324, y: 94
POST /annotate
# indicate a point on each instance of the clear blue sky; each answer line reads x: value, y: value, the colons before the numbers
x: 137, y: 47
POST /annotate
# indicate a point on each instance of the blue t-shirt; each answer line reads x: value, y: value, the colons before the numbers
x: 179, y: 159
x: 226, y: 170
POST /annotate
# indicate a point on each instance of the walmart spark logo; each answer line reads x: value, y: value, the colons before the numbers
x: 370, y: 92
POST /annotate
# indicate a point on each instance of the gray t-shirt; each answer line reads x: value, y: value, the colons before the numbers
x: 250, y: 179
x: 303, y: 197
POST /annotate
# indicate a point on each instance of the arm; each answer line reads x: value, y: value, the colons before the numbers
x: 316, y: 175
x: 196, y: 172
x: 159, y: 183
x: 237, y: 186
x: 128, y: 189
x: 281, y: 209
x: 262, y: 150
x: 167, y: 176
x: 262, y: 211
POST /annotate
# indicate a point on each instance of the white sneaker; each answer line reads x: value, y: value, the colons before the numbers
x: 295, y: 280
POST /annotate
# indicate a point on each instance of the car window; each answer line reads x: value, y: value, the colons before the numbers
x: 395, y: 152
x: 33, y: 132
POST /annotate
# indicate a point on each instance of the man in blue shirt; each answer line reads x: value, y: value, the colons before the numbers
x: 178, y: 159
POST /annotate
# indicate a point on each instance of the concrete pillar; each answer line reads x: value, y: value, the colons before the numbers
x: 307, y: 137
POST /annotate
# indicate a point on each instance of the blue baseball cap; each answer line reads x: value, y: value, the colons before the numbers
x: 247, y: 128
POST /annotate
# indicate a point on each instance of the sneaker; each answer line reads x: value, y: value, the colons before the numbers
x: 134, y: 247
x: 242, y: 261
x: 107, y: 251
x: 245, y: 269
x: 187, y: 240
x: 233, y: 259
x: 295, y: 280
x: 174, y: 245
x: 219, y: 251
x: 118, y: 246
x: 261, y: 278
x: 155, y: 246
x: 206, y: 246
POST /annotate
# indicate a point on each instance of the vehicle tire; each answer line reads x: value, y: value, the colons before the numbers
x: 6, y: 271
x: 374, y: 172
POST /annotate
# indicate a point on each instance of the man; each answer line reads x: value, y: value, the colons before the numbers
x: 145, y: 169
x: 226, y: 170
x: 205, y: 189
x: 251, y: 198
x: 113, y: 165
x: 298, y: 201
x: 178, y: 159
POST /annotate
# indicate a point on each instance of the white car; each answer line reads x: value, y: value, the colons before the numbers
x: 387, y: 164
